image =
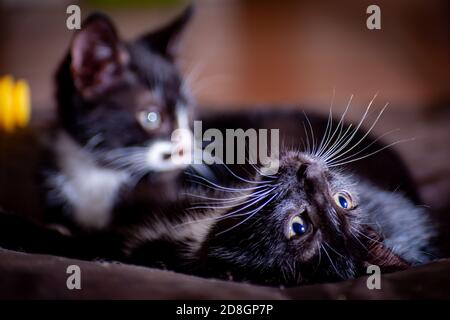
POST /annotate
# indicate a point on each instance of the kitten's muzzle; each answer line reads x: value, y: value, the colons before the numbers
x: 164, y: 156
x: 312, y: 176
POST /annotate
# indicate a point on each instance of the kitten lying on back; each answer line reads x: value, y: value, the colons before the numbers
x: 335, y: 206
x: 308, y: 223
x: 118, y: 104
x: 319, y: 218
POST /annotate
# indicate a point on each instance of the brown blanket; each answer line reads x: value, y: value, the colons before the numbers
x: 44, y: 277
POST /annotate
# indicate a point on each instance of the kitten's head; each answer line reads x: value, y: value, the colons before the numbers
x: 301, y: 225
x: 123, y: 100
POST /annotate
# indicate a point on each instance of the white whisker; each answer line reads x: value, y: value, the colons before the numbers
x: 237, y: 210
x: 372, y: 153
x: 222, y: 187
x: 251, y: 214
x: 340, y: 123
x: 329, y: 126
x: 335, y: 156
x: 370, y: 144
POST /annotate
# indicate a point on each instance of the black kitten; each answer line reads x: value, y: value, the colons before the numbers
x: 311, y: 223
x: 317, y: 219
x: 118, y: 105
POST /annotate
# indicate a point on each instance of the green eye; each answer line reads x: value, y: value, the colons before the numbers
x: 149, y: 120
x: 343, y: 200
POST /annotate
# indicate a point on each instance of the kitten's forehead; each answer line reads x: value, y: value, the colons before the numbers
x: 153, y: 69
x: 137, y: 97
x: 146, y: 97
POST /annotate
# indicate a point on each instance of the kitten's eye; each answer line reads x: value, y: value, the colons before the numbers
x: 149, y: 120
x: 297, y: 227
x: 344, y: 200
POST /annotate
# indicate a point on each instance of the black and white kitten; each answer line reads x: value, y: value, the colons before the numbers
x: 118, y: 105
x: 317, y: 219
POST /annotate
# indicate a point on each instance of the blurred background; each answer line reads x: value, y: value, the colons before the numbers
x: 247, y: 54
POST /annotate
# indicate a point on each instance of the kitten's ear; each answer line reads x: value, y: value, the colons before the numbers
x: 164, y: 40
x: 97, y: 55
x: 378, y: 254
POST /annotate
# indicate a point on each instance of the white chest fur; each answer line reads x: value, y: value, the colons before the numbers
x: 89, y: 189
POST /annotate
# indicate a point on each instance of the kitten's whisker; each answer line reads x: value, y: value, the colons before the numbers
x: 330, y: 156
x: 308, y: 149
x: 340, y: 123
x: 370, y: 154
x: 217, y: 189
x: 329, y: 126
x: 320, y: 256
x: 222, y: 187
x: 218, y: 199
x: 200, y: 85
x: 247, y: 204
x: 136, y: 176
x: 303, y: 146
x: 247, y: 213
x: 223, y: 217
x: 343, y: 142
x: 341, y: 138
x: 354, y: 235
x: 329, y: 246
x: 369, y: 145
x: 192, y: 74
x: 367, y: 237
x: 331, y: 261
x: 255, y: 167
x: 363, y: 137
x: 335, y: 144
x: 93, y: 142
x: 232, y: 199
x: 241, y: 178
x: 251, y: 214
x: 313, y: 151
x: 123, y: 163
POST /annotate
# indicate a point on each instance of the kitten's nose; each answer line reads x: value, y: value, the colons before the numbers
x: 311, y: 175
x: 168, y: 155
x: 302, y: 171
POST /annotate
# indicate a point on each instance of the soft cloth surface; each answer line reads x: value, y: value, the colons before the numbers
x: 44, y: 277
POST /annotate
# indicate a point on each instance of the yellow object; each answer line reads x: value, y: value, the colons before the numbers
x: 14, y: 104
